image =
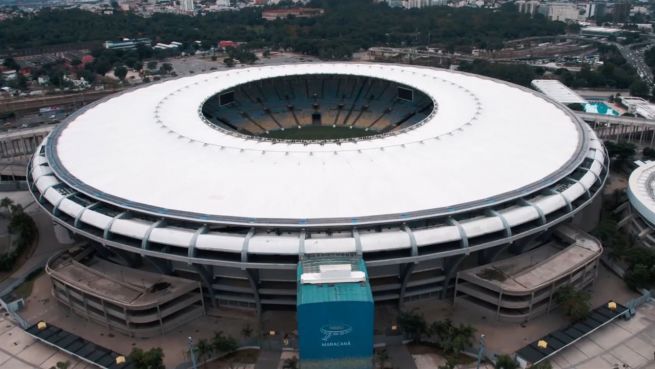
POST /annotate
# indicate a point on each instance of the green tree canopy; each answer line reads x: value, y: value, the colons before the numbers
x: 413, y: 324
x: 574, y: 303
x: 150, y: 359
x: 120, y: 72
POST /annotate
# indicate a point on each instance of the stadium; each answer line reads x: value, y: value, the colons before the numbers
x: 639, y: 211
x: 230, y: 178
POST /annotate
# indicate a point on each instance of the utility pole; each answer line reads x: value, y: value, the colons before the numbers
x: 481, y: 351
x: 194, y: 365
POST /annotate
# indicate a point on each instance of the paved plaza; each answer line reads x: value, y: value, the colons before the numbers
x: 18, y: 350
x: 621, y: 344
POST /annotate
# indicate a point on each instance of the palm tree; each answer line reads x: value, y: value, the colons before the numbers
x: 205, y: 349
x: 383, y: 357
x: 222, y: 343
x: 6, y: 202
x: 451, y: 338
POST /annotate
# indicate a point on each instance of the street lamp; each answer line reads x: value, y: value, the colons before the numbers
x: 481, y: 351
x: 193, y: 355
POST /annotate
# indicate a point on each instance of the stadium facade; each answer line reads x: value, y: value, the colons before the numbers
x: 232, y: 177
x: 639, y: 210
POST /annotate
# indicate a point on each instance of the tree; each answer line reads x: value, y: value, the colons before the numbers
x: 382, y: 356
x: 152, y: 65
x: 575, y: 304
x: 639, y: 276
x: 11, y: 63
x: 6, y: 203
x: 505, y: 362
x: 451, y: 338
x: 102, y: 66
x: 151, y: 359
x: 88, y: 75
x: 639, y: 88
x: 165, y: 68
x: 648, y: 153
x: 205, y: 350
x: 413, y: 324
x: 222, y: 343
x: 576, y: 106
x: 620, y: 152
x: 18, y: 83
x: 23, y: 229
x: 517, y: 73
x: 120, y: 72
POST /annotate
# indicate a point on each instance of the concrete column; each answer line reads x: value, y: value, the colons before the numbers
x: 161, y: 323
x: 206, y: 277
x: 68, y: 296
x: 451, y: 266
x: 404, y: 279
x: 104, y: 310
x: 86, y: 306
x: 127, y: 319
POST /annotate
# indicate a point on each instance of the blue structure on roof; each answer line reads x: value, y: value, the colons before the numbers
x: 335, y: 320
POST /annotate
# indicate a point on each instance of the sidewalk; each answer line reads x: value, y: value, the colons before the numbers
x: 622, y: 344
x: 400, y: 357
x: 268, y: 359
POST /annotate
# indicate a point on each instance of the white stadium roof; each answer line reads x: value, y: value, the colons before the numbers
x: 150, y: 149
x: 558, y: 91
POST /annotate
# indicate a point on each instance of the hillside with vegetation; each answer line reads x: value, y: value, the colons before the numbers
x: 346, y: 26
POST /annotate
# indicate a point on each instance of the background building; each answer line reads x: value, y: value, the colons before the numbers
x: 564, y: 12
x: 187, y: 6
x: 639, y: 211
x: 528, y: 6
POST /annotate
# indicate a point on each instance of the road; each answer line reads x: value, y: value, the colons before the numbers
x: 636, y: 59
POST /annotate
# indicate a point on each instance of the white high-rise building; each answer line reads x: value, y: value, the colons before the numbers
x: 528, y: 7
x: 409, y: 4
x: 187, y: 5
x: 560, y: 11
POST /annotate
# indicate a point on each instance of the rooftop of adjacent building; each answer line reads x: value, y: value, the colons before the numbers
x: 116, y: 283
x: 570, y: 250
x: 356, y: 291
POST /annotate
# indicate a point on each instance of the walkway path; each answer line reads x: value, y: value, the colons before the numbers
x: 622, y: 344
x: 268, y: 359
x: 400, y: 357
x: 18, y: 350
